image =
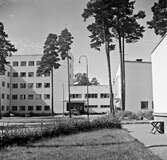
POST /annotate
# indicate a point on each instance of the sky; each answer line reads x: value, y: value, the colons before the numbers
x: 28, y: 23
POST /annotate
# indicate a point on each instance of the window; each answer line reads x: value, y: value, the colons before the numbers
x: 105, y: 106
x: 38, y: 108
x: 8, y: 85
x: 3, y: 107
x: 22, y: 108
x: 144, y: 104
x: 22, y: 85
x: 91, y: 106
x: 46, y: 96
x: 76, y: 95
x: 14, y: 96
x: 8, y: 74
x: 22, y: 96
x: 46, y: 108
x: 104, y: 95
x: 15, y: 74
x: 14, y: 108
x: 46, y: 85
x: 38, y: 85
x: 38, y: 96
x: 92, y: 95
x: 22, y: 74
x: 14, y: 85
x: 8, y: 96
x: 15, y: 63
x: 30, y: 85
x: 7, y: 108
x: 38, y: 74
x: 37, y: 63
x: 23, y: 63
x: 3, y: 83
x: 47, y: 74
x: 30, y: 108
x: 3, y: 96
x: 30, y: 74
x: 30, y: 96
x: 31, y: 63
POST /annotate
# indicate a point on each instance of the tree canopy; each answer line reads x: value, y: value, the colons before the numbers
x: 6, y: 48
x: 159, y: 20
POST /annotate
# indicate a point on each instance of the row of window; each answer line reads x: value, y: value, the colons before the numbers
x: 25, y: 63
x: 30, y: 85
x: 29, y: 96
x: 27, y: 108
x: 96, y: 106
x: 29, y: 74
x: 91, y: 95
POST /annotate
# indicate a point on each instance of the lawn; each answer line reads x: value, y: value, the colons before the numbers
x: 104, y: 144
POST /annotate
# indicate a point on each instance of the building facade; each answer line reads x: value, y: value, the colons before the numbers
x: 138, y: 82
x: 99, y: 97
x: 24, y: 91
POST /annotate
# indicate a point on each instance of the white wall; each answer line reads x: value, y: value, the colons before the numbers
x: 159, y: 70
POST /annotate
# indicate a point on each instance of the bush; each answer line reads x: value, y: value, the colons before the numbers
x: 22, y: 135
x: 128, y: 115
x: 147, y: 114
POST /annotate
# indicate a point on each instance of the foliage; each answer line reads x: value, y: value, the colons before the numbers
x: 22, y: 135
x: 128, y: 115
x: 50, y: 57
x: 6, y: 48
x: 159, y: 21
x: 81, y: 79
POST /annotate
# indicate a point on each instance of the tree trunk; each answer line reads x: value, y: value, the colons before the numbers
x: 110, y: 80
x: 52, y: 91
x: 121, y: 71
x: 69, y: 98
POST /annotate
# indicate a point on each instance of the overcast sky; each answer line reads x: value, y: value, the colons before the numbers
x: 28, y: 22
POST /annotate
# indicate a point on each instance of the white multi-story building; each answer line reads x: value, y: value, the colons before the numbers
x: 24, y: 91
x: 138, y: 78
x: 99, y: 97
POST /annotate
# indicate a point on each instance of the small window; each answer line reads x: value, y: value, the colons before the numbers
x: 47, y: 74
x: 30, y: 96
x: 46, y: 96
x: 104, y: 95
x: 8, y: 96
x: 46, y: 85
x: 37, y: 63
x: 22, y: 74
x: 3, y: 96
x: 38, y: 96
x: 30, y: 85
x: 3, y: 108
x: 22, y: 85
x: 30, y: 74
x: 14, y: 108
x: 3, y: 83
x: 14, y: 96
x: 15, y: 74
x: 8, y: 85
x: 8, y: 74
x: 15, y: 63
x: 22, y: 108
x: 31, y: 63
x: 22, y: 97
x: 30, y: 108
x: 47, y: 108
x: 38, y: 108
x: 144, y: 104
x: 38, y: 85
x: 14, y: 85
x: 23, y: 63
x: 38, y: 74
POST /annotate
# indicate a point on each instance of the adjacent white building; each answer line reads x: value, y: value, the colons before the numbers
x: 24, y: 91
x: 159, y: 70
x: 138, y: 77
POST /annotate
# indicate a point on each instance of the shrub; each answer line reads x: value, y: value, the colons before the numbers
x: 127, y: 115
x: 24, y: 134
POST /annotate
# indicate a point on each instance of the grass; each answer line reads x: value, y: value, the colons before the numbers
x: 104, y: 144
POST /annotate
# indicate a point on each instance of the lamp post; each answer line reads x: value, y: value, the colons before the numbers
x: 84, y: 56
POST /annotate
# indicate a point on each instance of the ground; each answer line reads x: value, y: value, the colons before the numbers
x: 107, y: 144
